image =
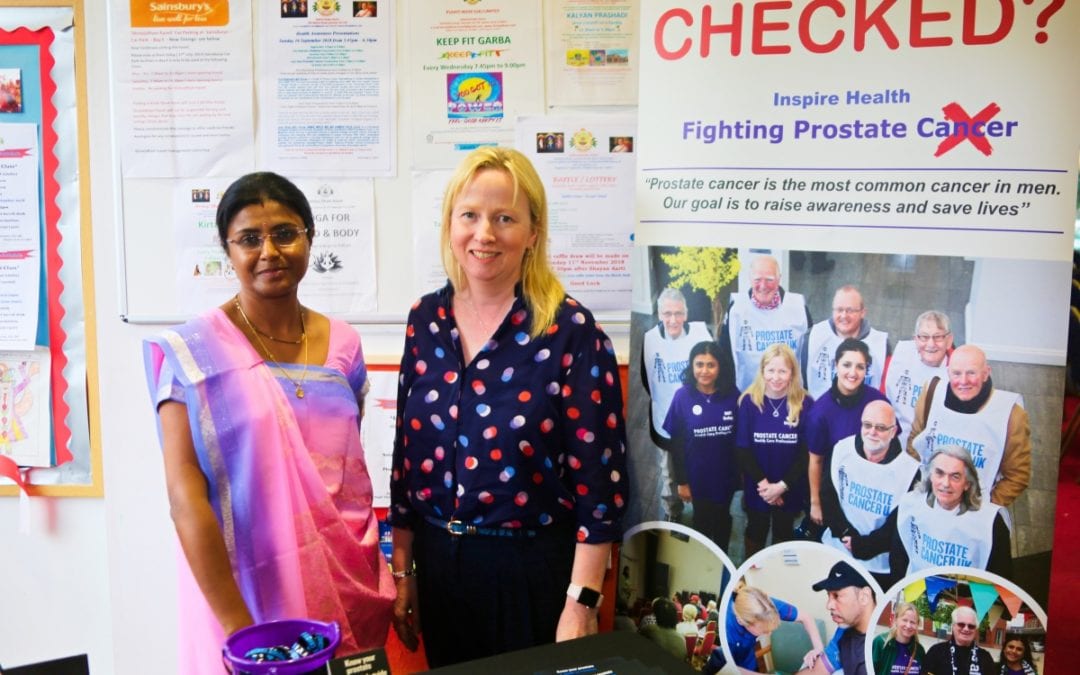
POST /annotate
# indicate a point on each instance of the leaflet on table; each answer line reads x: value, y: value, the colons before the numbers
x: 475, y: 68
x: 183, y: 73
x: 591, y: 52
x: 326, y: 91
x: 25, y: 436
x: 867, y: 134
x: 20, y: 236
x: 377, y: 431
x: 587, y: 165
x: 427, y: 198
x: 341, y: 277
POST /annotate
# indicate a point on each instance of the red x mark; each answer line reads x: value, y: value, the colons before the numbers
x: 965, y: 128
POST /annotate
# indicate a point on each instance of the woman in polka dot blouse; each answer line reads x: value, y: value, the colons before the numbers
x: 508, y: 479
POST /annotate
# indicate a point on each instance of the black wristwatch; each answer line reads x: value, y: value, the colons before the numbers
x: 589, y: 597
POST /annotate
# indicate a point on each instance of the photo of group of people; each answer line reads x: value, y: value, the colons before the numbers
x: 952, y: 623
x: 294, y: 9
x: 850, y: 400
x: 669, y: 590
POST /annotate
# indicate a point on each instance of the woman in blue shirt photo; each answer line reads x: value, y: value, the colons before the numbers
x: 701, y: 425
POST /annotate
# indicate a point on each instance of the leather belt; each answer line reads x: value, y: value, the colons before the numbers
x: 458, y: 528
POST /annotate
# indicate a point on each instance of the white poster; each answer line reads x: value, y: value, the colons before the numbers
x: 326, y: 88
x: 341, y: 274
x: 591, y: 49
x: 587, y: 165
x: 183, y: 81
x: 475, y: 68
x: 377, y: 431
x: 831, y: 131
x: 204, y: 276
x: 899, y: 174
x: 427, y: 189
x: 20, y: 236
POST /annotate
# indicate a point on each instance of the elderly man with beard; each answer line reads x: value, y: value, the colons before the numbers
x: 959, y: 655
x: 990, y: 423
x: 870, y: 472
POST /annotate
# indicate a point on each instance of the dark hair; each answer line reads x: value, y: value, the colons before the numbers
x: 259, y: 188
x: 664, y: 610
x: 725, y: 378
x: 1009, y: 637
x: 853, y: 345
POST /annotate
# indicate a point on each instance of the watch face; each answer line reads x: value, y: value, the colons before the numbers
x: 588, y: 597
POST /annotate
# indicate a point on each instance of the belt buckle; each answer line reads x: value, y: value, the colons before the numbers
x: 456, y: 528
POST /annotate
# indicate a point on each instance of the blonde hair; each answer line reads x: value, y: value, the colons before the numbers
x: 542, y: 290
x: 898, y: 610
x: 753, y: 606
x: 796, y: 395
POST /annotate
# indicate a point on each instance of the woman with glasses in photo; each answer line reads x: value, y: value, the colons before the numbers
x: 259, y: 403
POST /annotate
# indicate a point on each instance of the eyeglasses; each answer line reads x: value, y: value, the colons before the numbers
x: 940, y: 337
x: 880, y: 428
x: 847, y: 310
x: 672, y: 315
x: 965, y: 626
x: 253, y: 241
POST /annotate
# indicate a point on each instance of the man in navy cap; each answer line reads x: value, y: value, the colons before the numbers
x: 850, y: 604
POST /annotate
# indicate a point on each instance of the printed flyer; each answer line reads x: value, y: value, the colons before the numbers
x: 178, y: 69
x: 326, y: 92
x: 587, y: 165
x: 591, y: 52
x: 475, y: 68
x: 849, y: 382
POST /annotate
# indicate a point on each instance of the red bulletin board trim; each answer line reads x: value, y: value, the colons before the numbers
x: 43, y: 39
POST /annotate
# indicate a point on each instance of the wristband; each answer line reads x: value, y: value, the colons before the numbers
x: 410, y: 572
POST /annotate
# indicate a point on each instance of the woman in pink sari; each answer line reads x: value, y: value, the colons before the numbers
x: 259, y: 404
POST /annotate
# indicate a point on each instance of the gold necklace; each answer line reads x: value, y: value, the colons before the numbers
x: 299, y: 384
x: 483, y: 324
x: 283, y: 340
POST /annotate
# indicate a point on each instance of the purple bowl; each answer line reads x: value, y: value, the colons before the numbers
x: 273, y: 633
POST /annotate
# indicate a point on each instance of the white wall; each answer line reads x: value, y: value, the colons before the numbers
x: 54, y: 583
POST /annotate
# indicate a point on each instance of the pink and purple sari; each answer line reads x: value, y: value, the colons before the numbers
x: 287, y: 480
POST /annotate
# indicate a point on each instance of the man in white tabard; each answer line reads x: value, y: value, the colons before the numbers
x: 990, y: 423
x: 664, y: 355
x: 961, y: 653
x: 913, y: 363
x: 764, y: 316
x: 848, y: 321
x: 870, y: 473
x: 948, y: 522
